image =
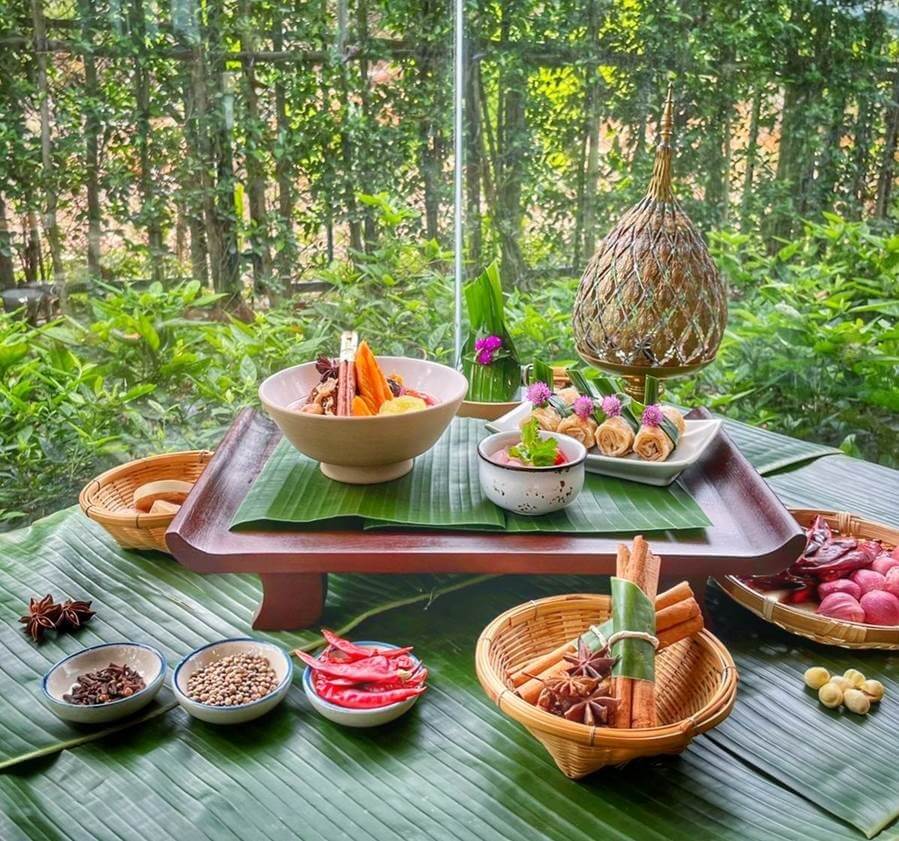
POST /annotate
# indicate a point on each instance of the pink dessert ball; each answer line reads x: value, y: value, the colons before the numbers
x: 840, y: 585
x: 881, y: 608
x: 891, y: 582
x: 841, y: 606
x: 884, y: 562
x: 868, y: 580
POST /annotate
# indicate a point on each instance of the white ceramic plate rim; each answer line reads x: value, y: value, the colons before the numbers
x: 307, y: 683
x: 288, y: 675
x: 150, y: 684
x: 707, y: 427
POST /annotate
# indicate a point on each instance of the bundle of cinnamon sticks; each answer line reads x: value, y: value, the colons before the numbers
x: 678, y: 616
x: 346, y: 373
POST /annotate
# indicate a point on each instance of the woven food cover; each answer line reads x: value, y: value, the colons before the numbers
x: 651, y: 300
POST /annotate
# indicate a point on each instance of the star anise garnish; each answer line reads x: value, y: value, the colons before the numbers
x: 594, y: 710
x: 589, y: 663
x: 73, y: 613
x: 326, y: 367
x: 43, y: 614
x: 559, y: 694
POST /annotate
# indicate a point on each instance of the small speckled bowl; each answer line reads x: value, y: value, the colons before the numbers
x: 201, y: 657
x: 531, y: 490
x: 146, y: 661
x: 358, y: 718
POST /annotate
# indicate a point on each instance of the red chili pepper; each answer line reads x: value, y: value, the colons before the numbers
x: 345, y: 696
x: 358, y: 652
x: 371, y: 670
x: 416, y: 679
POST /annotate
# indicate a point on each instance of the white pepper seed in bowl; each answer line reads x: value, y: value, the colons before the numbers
x: 232, y: 681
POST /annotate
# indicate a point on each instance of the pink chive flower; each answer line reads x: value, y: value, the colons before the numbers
x: 652, y: 415
x: 538, y: 393
x: 486, y: 349
x: 583, y: 407
x: 611, y: 406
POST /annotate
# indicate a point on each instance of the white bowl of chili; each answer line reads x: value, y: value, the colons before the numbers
x: 355, y: 717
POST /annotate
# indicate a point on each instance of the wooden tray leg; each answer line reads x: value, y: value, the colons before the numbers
x: 290, y: 600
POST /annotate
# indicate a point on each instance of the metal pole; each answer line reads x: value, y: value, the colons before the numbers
x: 458, y: 93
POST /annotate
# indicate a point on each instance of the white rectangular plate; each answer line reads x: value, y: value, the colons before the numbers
x: 692, y: 444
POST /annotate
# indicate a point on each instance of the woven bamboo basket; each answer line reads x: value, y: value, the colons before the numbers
x: 696, y: 685
x: 801, y: 619
x: 108, y: 499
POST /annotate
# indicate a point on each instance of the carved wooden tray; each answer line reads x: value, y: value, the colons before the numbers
x: 751, y: 531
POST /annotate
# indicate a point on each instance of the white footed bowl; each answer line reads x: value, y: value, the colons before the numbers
x: 531, y: 490
x: 201, y: 657
x: 146, y: 661
x: 365, y: 450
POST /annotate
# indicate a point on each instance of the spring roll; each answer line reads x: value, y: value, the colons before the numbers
x: 614, y: 437
x: 547, y: 418
x: 581, y: 429
x: 651, y: 443
x: 676, y: 418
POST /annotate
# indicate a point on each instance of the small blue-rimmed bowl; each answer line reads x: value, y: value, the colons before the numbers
x: 358, y: 718
x: 145, y: 660
x: 239, y: 713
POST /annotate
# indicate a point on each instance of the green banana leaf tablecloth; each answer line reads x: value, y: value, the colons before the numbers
x: 455, y: 767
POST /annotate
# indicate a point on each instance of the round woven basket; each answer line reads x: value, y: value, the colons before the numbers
x: 696, y: 685
x: 801, y: 619
x: 108, y: 499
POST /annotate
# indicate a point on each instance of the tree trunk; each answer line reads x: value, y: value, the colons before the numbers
x: 370, y: 225
x: 7, y: 272
x: 860, y: 160
x: 259, y: 236
x: 91, y: 141
x: 752, y: 148
x: 150, y: 210
x: 888, y: 155
x: 33, y: 258
x: 51, y: 225
x: 346, y: 146
x: 591, y: 175
x: 286, y: 256
x: 512, y: 144
x: 194, y: 181
x: 473, y: 169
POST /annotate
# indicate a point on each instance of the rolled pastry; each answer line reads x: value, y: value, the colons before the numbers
x: 614, y: 437
x: 581, y: 429
x: 568, y: 395
x: 676, y: 418
x: 652, y: 444
x: 547, y: 418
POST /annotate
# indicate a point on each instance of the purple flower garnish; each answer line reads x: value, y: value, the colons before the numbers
x: 539, y: 393
x: 652, y: 415
x: 486, y: 348
x: 583, y: 407
x: 611, y: 406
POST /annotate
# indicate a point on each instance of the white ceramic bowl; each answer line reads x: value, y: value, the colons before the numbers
x: 201, y: 657
x: 358, y: 718
x: 364, y: 450
x: 146, y: 661
x: 531, y: 490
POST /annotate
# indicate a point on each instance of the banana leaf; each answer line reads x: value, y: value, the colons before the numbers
x: 453, y: 768
x: 143, y: 597
x: 771, y: 451
x: 845, y: 763
x: 443, y: 491
x: 499, y: 380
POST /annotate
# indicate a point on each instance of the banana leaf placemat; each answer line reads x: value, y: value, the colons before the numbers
x: 443, y: 491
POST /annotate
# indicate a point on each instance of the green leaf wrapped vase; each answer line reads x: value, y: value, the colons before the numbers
x: 651, y: 300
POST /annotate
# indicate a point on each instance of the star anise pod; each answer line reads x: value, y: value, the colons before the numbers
x: 73, y: 613
x: 561, y: 693
x: 326, y: 368
x: 594, y: 710
x: 589, y: 663
x: 43, y: 614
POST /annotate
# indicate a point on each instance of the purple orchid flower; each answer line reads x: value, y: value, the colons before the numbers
x: 486, y: 349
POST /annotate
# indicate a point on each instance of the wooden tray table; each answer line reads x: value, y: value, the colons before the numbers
x: 751, y: 531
